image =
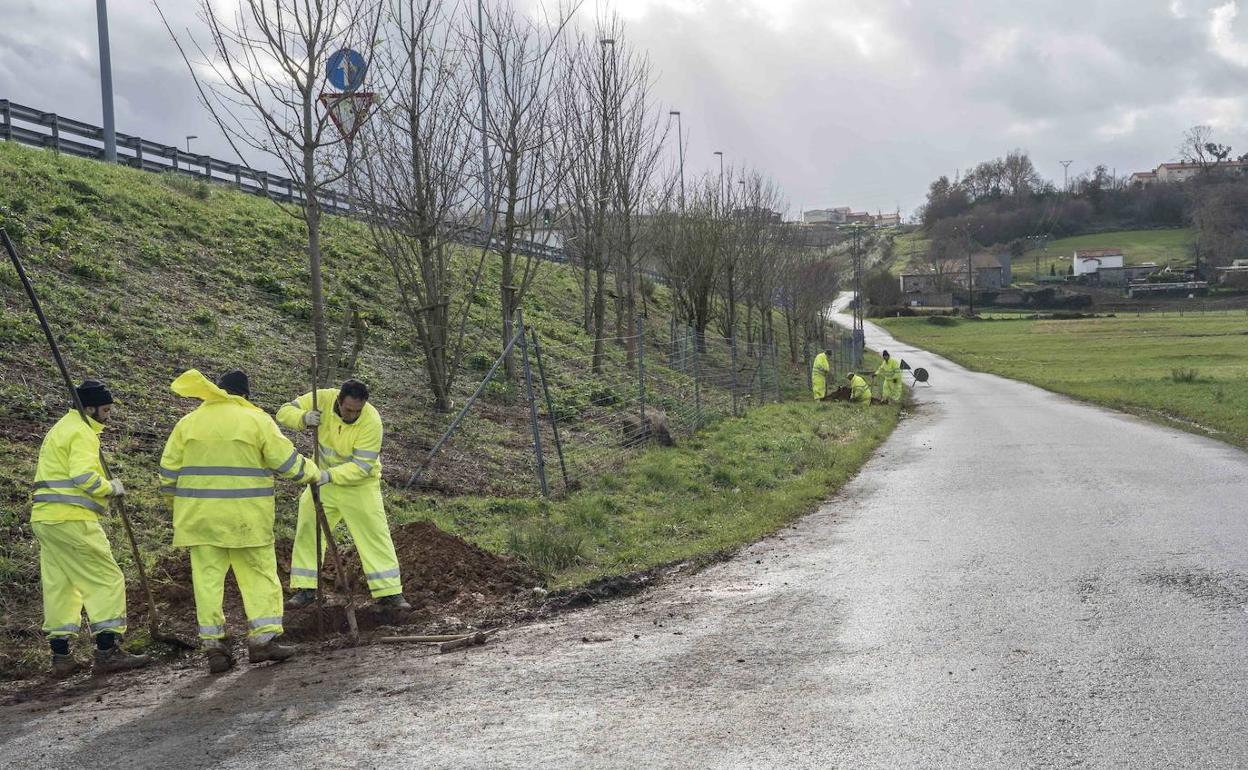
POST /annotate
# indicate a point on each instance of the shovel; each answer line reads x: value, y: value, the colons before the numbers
x: 118, y: 504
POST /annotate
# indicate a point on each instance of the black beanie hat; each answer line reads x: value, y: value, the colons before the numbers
x: 94, y: 393
x: 235, y: 383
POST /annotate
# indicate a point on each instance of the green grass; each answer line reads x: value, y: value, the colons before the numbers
x: 1189, y: 370
x: 1138, y: 246
x: 731, y: 484
x: 908, y: 248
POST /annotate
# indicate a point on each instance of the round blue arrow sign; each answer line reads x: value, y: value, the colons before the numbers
x: 345, y: 69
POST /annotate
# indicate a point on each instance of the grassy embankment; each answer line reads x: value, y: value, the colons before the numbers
x: 1191, y: 371
x: 144, y: 276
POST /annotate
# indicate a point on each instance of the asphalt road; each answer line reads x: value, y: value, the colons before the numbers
x: 1015, y: 580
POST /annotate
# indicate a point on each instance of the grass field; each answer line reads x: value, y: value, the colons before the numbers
x: 1138, y: 246
x: 1190, y: 370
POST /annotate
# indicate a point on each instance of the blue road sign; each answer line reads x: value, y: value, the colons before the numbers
x: 345, y: 69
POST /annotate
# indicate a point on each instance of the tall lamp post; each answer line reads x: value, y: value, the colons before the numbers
x: 106, y: 82
x: 680, y: 147
x: 721, y: 175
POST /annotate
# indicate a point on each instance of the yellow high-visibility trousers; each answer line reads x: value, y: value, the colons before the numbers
x: 255, y: 571
x: 892, y: 388
x: 362, y: 509
x: 77, y: 571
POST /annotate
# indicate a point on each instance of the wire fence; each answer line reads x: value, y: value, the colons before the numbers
x: 576, y: 410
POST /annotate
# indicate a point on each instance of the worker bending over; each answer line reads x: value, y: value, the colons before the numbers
x: 890, y: 370
x: 349, y: 431
x: 819, y: 373
x: 76, y: 564
x: 218, y: 468
x: 859, y: 390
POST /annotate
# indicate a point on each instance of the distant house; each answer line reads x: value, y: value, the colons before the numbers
x: 860, y: 218
x: 888, y: 220
x: 1089, y: 261
x: 1172, y: 173
x: 992, y: 271
x: 1236, y: 274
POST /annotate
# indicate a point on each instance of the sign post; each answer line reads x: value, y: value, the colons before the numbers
x: 349, y: 107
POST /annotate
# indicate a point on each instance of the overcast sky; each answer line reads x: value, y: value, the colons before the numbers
x: 843, y: 102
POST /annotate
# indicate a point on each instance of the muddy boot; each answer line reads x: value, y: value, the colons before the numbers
x: 261, y: 652
x: 117, y: 659
x: 219, y: 658
x: 393, y: 602
x: 301, y: 598
x: 65, y: 665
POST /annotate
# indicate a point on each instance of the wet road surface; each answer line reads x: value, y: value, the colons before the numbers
x: 1015, y: 580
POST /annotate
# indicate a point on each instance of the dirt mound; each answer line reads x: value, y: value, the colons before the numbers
x: 448, y: 582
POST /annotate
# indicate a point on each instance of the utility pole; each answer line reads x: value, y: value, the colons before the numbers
x: 106, y: 82
x: 680, y: 146
x: 1065, y: 175
x: 487, y: 174
x: 859, y: 329
x: 721, y: 175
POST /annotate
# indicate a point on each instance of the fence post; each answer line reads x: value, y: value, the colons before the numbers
x: 56, y: 134
x: 6, y: 120
x: 775, y: 367
x: 810, y: 385
x: 697, y: 383
x: 238, y: 176
x: 138, y: 152
x: 550, y: 411
x: 732, y: 342
x: 528, y: 383
x: 641, y: 368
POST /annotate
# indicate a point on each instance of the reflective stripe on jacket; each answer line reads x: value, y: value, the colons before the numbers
x: 890, y: 369
x: 350, y: 452
x: 69, y: 480
x: 218, y: 468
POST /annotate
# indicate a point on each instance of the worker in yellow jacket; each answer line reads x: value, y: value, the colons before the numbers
x: 218, y: 469
x: 76, y: 565
x: 890, y: 370
x: 349, y: 431
x: 820, y: 371
x: 859, y: 390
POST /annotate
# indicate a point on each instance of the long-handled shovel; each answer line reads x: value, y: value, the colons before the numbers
x: 118, y: 504
x: 323, y: 531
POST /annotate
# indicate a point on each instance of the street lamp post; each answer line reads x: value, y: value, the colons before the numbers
x: 721, y: 175
x: 680, y: 147
x: 106, y: 82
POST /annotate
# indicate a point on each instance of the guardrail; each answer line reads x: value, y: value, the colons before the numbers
x: 26, y: 125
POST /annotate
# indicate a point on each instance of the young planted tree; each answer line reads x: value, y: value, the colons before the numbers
x: 420, y: 176
x: 688, y: 249
x: 526, y: 63
x: 260, y: 74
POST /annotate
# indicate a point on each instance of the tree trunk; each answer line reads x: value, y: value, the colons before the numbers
x: 600, y: 316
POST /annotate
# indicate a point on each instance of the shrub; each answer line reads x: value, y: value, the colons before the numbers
x: 942, y: 320
x: 1182, y: 375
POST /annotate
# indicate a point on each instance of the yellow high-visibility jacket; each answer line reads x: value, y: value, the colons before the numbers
x: 890, y: 369
x: 69, y: 480
x: 859, y: 390
x: 350, y: 453
x: 218, y: 468
x: 819, y: 376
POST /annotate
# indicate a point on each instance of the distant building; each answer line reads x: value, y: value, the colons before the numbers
x: 1173, y: 173
x: 888, y: 220
x: 1089, y: 261
x: 992, y: 271
x: 835, y: 216
x: 860, y: 218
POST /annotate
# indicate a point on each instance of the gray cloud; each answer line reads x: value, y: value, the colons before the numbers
x: 843, y: 102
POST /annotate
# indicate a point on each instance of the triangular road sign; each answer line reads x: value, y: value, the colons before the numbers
x: 348, y: 111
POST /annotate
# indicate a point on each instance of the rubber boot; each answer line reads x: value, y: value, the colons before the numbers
x: 394, y: 602
x: 261, y: 652
x: 65, y: 665
x: 219, y: 658
x: 300, y: 598
x: 117, y: 659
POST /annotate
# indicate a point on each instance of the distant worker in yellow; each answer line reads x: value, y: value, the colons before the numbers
x: 859, y: 390
x: 890, y: 370
x: 819, y: 373
x: 76, y: 565
x: 218, y: 468
x: 349, y: 430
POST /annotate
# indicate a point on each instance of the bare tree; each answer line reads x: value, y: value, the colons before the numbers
x: 1195, y: 147
x: 420, y: 178
x: 687, y: 249
x: 526, y: 63
x: 266, y: 59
